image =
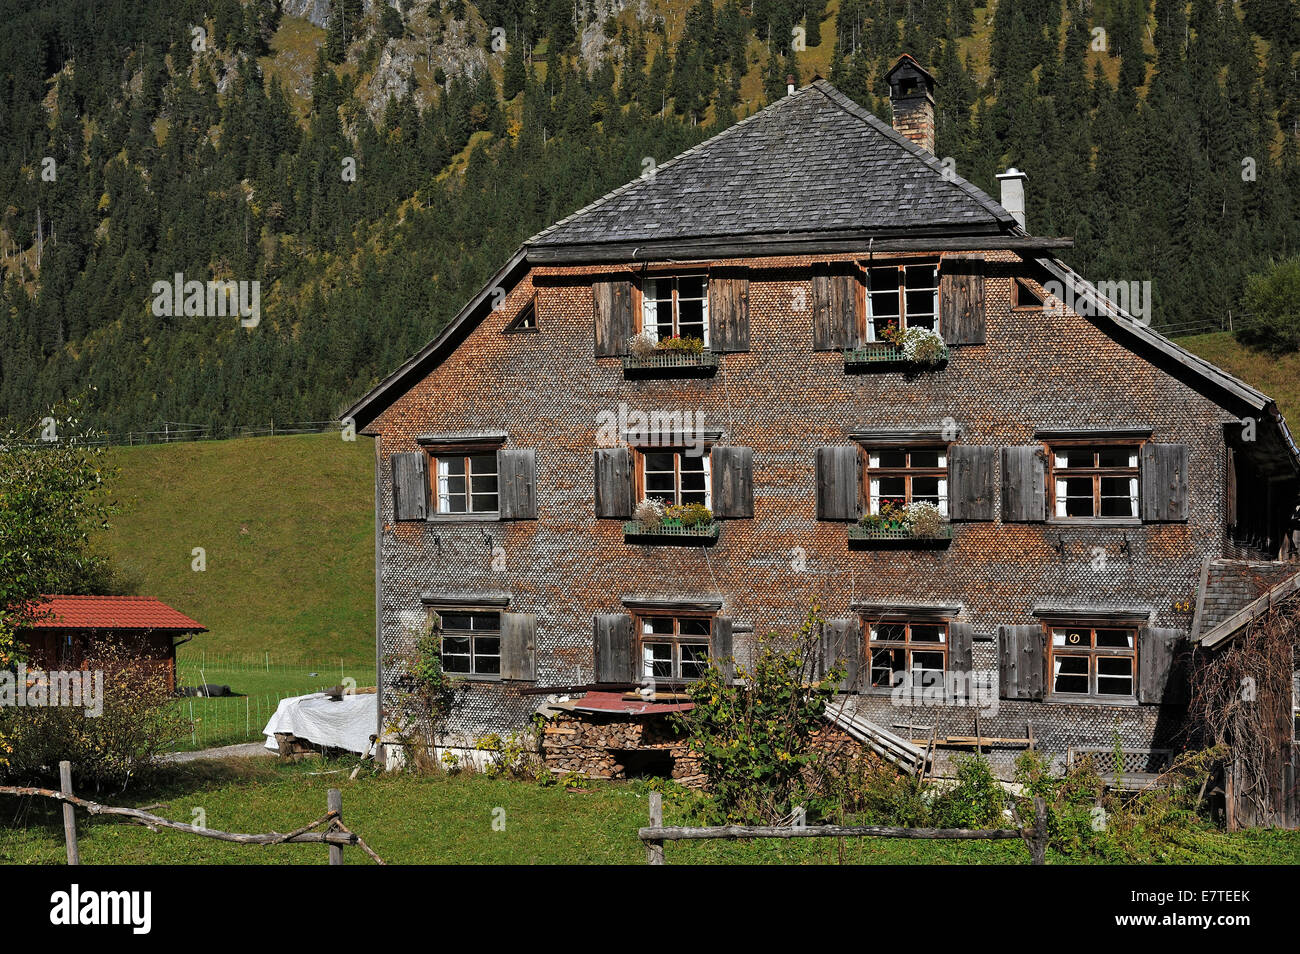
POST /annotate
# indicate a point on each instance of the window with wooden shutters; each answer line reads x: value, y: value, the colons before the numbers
x: 903, y: 295
x: 835, y: 306
x: 615, y: 487
x: 1164, y: 482
x: 470, y: 641
x: 970, y: 482
x: 674, y: 647
x: 918, y: 649
x: 410, y: 486
x: 729, y: 310
x: 613, y: 310
x: 1094, y: 481
x: 838, y: 487
x: 904, y: 475
x: 466, y: 481
x: 1092, y: 660
x: 674, y: 476
x: 733, y: 482
x: 961, y: 296
x: 615, y: 649
x: 676, y: 306
x: 1162, y: 665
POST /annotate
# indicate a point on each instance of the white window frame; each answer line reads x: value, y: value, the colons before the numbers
x: 650, y: 302
x: 873, y: 483
x: 678, y: 453
x: 442, y: 495
x: 901, y: 317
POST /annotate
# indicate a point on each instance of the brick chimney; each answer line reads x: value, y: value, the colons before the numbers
x: 911, y: 96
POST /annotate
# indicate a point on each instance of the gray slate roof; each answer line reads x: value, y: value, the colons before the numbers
x: 1232, y: 585
x: 812, y: 162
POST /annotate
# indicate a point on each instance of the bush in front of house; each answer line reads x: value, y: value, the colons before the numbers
x: 140, y: 721
x: 754, y: 735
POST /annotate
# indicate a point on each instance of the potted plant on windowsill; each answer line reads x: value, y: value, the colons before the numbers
x: 919, y: 347
x: 652, y: 518
x: 914, y: 523
x: 645, y: 352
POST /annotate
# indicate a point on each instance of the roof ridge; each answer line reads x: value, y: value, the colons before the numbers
x: 626, y: 186
x: 857, y: 111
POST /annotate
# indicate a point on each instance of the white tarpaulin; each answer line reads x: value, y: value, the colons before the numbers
x: 345, y: 723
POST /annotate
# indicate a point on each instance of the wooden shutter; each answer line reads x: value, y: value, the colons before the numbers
x: 1230, y: 508
x: 842, y: 642
x: 519, y: 646
x: 733, y: 482
x: 1164, y: 482
x: 1162, y: 675
x: 1022, y: 661
x: 614, y: 490
x: 614, y: 325
x: 835, y: 306
x: 961, y: 299
x: 970, y: 482
x: 722, y: 648
x: 1024, y: 484
x: 838, y: 487
x: 729, y: 309
x: 615, y: 648
x: 410, y: 486
x: 961, y: 637
x: 517, y: 473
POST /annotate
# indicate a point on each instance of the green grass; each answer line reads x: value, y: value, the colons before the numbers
x: 1279, y: 378
x: 287, y: 524
x: 441, y: 820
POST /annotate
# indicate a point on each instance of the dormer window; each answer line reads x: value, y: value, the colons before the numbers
x: 904, y: 295
x: 676, y: 307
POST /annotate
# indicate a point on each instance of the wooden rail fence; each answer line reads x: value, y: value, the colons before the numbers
x: 336, y: 836
x: 654, y: 836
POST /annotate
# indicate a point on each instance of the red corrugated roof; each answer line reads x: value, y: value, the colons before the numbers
x: 614, y: 702
x: 111, y: 612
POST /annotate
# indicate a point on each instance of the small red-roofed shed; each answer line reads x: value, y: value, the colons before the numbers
x: 65, y: 629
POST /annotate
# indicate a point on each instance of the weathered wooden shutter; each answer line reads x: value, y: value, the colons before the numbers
x: 835, y: 306
x: 1022, y: 661
x: 723, y: 648
x: 410, y: 486
x: 519, y: 646
x: 517, y: 474
x: 970, y: 482
x: 1230, y: 507
x: 614, y: 325
x: 961, y: 637
x: 961, y: 299
x: 1024, y: 484
x: 842, y: 642
x: 614, y: 489
x: 733, y: 482
x: 838, y: 487
x: 615, y: 648
x: 1161, y: 666
x: 1164, y: 482
x: 728, y: 309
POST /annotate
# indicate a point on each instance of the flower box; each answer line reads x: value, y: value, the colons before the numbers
x: 882, y: 352
x: 671, y: 362
x: 669, y: 528
x: 897, y: 535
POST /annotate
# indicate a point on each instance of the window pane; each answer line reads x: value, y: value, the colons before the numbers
x: 884, y: 663
x: 690, y: 286
x: 1075, y: 457
x: 1115, y: 639
x: 695, y: 659
x: 456, y: 621
x: 922, y: 276
x: 889, y: 458
x: 1071, y: 674
x: 925, y: 489
x: 1119, y: 497
x: 927, y: 668
x: 1076, y: 495
x: 456, y: 654
x: 1081, y: 638
x: 657, y: 660
x: 694, y: 626
x: 885, y: 280
x: 1117, y: 456
x: 927, y: 458
x: 485, y: 622
x: 690, y: 319
x: 927, y: 633
x: 888, y: 632
x: 660, y: 625
x: 1114, y: 675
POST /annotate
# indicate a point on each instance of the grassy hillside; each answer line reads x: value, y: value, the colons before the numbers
x: 1279, y: 378
x: 287, y: 524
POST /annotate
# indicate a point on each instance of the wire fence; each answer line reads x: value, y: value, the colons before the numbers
x: 264, y: 662
x: 175, y: 432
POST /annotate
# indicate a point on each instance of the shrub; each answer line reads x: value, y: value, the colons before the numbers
x: 754, y: 737
x: 1272, y: 299
x: 140, y: 720
x: 976, y: 801
x: 516, y: 756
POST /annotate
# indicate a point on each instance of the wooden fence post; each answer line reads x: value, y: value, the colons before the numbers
x: 654, y: 848
x: 1038, y: 846
x: 334, y: 802
x: 69, y: 814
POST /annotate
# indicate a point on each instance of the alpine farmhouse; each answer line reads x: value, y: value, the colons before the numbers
x: 1088, y: 475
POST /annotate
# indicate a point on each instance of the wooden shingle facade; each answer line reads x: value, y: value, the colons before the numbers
x: 1083, y: 467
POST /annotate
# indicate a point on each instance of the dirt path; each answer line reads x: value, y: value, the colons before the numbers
x: 242, y: 751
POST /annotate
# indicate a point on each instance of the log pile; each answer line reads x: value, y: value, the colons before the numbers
x: 597, y: 746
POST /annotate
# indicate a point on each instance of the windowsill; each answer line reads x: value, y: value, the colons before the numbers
x: 671, y: 364
x: 1119, y: 702
x: 463, y: 518
x: 474, y: 676
x: 1095, y: 521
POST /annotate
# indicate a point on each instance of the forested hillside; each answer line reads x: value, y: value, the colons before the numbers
x: 371, y: 166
